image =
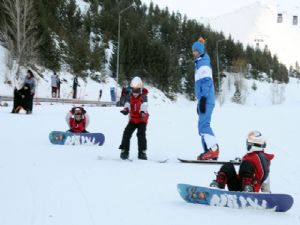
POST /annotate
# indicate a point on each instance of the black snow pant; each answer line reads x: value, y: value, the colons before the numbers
x: 30, y: 102
x: 141, y: 136
x: 234, y: 182
x: 74, y: 92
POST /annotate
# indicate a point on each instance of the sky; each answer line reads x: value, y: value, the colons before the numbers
x: 198, y: 8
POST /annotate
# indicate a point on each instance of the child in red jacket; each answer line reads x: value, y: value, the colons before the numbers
x: 136, y: 105
x: 254, y: 170
x: 78, y: 120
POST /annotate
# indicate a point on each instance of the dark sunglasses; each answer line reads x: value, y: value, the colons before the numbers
x: 136, y: 90
x: 249, y: 145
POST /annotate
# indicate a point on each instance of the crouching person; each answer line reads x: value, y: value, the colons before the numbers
x: 78, y: 120
x: 253, y: 175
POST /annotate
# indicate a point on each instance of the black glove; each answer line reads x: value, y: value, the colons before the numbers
x: 142, y: 114
x: 125, y: 111
x: 202, y: 104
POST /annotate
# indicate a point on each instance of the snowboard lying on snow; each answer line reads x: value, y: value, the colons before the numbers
x: 235, y: 199
x: 236, y: 161
x: 68, y: 138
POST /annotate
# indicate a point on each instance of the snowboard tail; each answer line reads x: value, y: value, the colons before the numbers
x: 68, y: 138
x: 234, y: 199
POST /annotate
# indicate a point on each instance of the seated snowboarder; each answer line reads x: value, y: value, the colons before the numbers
x: 78, y: 120
x: 21, y: 96
x: 136, y: 105
x: 254, y: 170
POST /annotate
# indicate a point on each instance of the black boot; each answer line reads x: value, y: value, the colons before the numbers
x: 142, y: 155
x: 124, y: 154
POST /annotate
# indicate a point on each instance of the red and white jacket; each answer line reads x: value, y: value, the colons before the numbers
x: 261, y: 163
x: 77, y: 126
x: 136, y: 105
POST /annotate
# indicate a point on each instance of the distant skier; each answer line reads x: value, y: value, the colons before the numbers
x: 254, y: 170
x: 78, y: 120
x: 75, y: 84
x: 54, y: 87
x: 204, y: 91
x: 136, y: 105
x: 100, y: 94
x: 58, y: 81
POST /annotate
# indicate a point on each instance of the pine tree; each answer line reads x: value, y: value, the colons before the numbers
x: 155, y: 44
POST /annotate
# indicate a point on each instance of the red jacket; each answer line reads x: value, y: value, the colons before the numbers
x: 136, y: 107
x: 77, y: 127
x: 261, y: 164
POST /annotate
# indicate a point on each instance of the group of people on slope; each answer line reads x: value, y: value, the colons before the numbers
x: 253, y: 174
x: 56, y: 83
x: 135, y: 106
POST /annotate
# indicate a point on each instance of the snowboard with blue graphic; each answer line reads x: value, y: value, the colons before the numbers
x: 68, y: 138
x: 233, y: 199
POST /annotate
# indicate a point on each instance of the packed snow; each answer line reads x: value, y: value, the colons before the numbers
x: 43, y: 183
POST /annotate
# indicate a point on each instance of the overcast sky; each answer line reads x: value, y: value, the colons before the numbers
x: 212, y: 8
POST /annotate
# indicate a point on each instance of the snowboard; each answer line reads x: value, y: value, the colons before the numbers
x: 234, y: 162
x: 234, y: 199
x: 68, y: 138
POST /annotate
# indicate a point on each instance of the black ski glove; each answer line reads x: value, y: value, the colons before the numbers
x: 202, y: 104
x: 125, y: 111
x: 142, y: 114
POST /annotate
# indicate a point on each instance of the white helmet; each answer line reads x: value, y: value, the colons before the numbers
x: 136, y: 83
x: 255, y: 141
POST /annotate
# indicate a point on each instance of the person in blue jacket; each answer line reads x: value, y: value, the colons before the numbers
x: 205, y: 94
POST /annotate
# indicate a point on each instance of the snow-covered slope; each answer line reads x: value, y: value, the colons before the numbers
x: 265, y: 93
x: 46, y: 184
x: 88, y: 89
x: 257, y: 24
x: 195, y: 9
x: 248, y: 21
x: 260, y: 93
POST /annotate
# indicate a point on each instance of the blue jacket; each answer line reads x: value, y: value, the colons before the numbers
x: 204, y: 85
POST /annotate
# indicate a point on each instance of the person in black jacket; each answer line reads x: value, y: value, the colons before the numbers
x: 29, y: 87
x: 75, y: 84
